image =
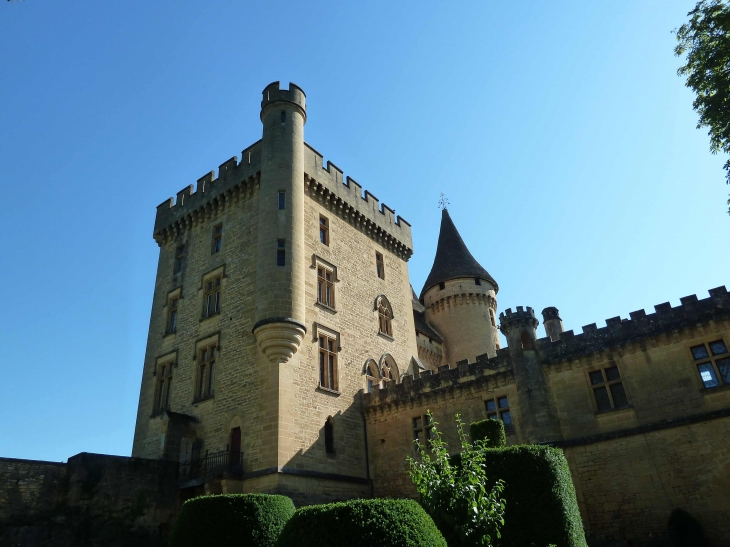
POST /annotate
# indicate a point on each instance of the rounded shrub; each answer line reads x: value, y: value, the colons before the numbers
x: 362, y: 523
x: 245, y: 520
x: 489, y: 431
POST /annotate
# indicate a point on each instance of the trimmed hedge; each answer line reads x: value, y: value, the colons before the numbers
x: 362, y: 523
x: 541, y: 506
x: 491, y: 431
x: 254, y: 520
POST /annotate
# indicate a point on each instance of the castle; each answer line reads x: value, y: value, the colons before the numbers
x: 287, y: 352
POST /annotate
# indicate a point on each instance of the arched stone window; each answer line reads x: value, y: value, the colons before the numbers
x: 526, y: 340
x: 385, y: 315
x: 329, y: 435
x: 388, y: 370
x: 372, y: 376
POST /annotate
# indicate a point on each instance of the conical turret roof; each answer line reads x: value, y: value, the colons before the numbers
x: 453, y: 259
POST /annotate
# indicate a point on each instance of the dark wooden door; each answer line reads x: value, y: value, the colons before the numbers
x: 235, y: 456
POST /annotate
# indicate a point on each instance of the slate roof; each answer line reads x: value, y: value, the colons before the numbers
x: 419, y: 318
x: 453, y: 259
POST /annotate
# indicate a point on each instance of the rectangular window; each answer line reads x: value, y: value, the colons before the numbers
x: 477, y: 281
x: 283, y: 117
x: 212, y: 296
x: 714, y: 368
x: 422, y: 430
x: 324, y: 230
x: 380, y: 265
x: 163, y: 387
x: 206, y: 371
x: 325, y: 287
x: 217, y: 238
x: 327, y: 363
x: 498, y: 409
x: 608, y: 389
x: 179, y: 259
x: 172, y: 308
x: 282, y: 201
x: 280, y: 253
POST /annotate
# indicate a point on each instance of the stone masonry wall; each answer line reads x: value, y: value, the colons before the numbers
x: 30, y: 487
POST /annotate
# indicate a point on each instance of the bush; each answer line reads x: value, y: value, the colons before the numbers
x: 362, y: 523
x: 684, y: 530
x: 489, y: 431
x: 542, y: 508
x: 244, y: 520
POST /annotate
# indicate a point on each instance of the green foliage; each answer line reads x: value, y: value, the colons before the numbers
x: 456, y: 495
x: 362, y: 523
x: 254, y: 520
x: 489, y: 431
x: 705, y: 40
x: 684, y: 530
x: 542, y: 505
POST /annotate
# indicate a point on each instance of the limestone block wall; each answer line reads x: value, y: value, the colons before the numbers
x: 30, y: 487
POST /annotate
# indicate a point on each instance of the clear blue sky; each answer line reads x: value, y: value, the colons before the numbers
x: 559, y: 130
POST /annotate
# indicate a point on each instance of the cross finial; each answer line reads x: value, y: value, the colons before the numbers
x: 443, y: 201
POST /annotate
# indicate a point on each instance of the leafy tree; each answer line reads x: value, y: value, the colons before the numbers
x: 455, y: 493
x: 705, y: 40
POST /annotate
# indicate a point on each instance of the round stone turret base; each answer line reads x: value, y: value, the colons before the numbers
x: 279, y: 338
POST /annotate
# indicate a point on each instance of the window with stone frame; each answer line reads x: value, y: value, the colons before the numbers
x: 329, y: 435
x: 217, y: 239
x: 212, y: 295
x: 712, y: 360
x: 385, y: 316
x: 422, y: 430
x: 379, y: 265
x: 328, y: 363
x: 372, y: 376
x: 173, y: 308
x: 207, y: 356
x: 608, y: 389
x: 325, y: 286
x: 324, y: 230
x: 498, y: 409
x: 163, y: 386
x: 281, y: 252
x: 179, y: 259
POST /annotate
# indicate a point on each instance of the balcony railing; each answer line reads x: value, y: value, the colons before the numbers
x: 210, y: 466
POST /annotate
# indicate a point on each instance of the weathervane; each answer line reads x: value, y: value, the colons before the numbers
x: 443, y: 201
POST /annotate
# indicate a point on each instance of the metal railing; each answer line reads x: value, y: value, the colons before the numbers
x: 210, y: 466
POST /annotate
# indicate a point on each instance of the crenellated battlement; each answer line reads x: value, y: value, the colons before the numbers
x: 519, y: 318
x: 617, y: 331
x: 196, y: 203
x: 494, y: 373
x: 273, y: 95
x: 345, y: 197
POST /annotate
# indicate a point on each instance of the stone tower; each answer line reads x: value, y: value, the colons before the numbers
x: 552, y: 323
x: 460, y: 299
x: 539, y: 419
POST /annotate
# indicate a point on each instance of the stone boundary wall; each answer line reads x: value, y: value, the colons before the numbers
x: 30, y: 487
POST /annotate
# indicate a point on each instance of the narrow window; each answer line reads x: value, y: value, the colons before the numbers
x: 385, y: 317
x: 206, y: 371
x: 491, y: 318
x: 477, y: 281
x: 498, y: 409
x: 422, y: 430
x: 329, y: 435
x: 324, y: 230
x: 179, y: 259
x: 217, y: 238
x: 212, y: 297
x: 283, y: 117
x: 280, y: 253
x: 442, y: 286
x: 325, y: 287
x: 608, y: 389
x: 164, y: 387
x: 526, y: 340
x: 172, y: 314
x: 714, y: 369
x: 379, y: 265
x: 282, y: 201
x: 327, y: 363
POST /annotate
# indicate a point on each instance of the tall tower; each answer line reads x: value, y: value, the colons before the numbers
x: 279, y: 326
x: 539, y: 419
x: 460, y: 299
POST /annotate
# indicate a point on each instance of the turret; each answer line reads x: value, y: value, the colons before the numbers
x: 280, y: 267
x: 460, y: 299
x: 552, y: 323
x: 538, y: 416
